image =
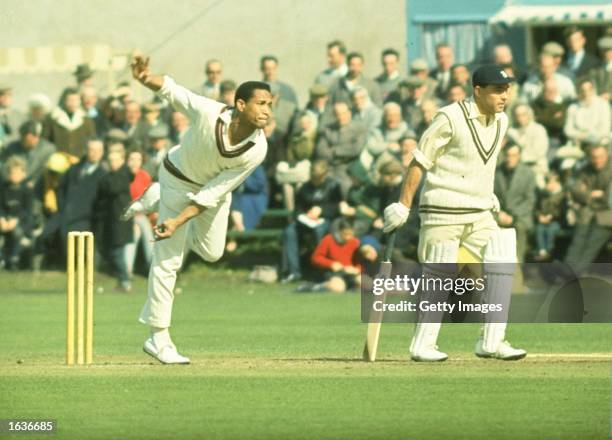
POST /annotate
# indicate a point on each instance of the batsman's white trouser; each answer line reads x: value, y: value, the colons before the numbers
x: 204, y: 234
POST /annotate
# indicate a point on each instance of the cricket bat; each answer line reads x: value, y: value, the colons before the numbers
x: 375, y: 320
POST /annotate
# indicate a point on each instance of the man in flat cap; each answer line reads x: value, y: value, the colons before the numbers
x: 459, y: 153
x: 547, y: 69
x: 420, y: 69
x: 83, y: 75
x: 602, y: 75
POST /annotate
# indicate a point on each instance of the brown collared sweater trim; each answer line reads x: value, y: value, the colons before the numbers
x: 220, y: 144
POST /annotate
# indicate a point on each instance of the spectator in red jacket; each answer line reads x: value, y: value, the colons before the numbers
x: 336, y: 256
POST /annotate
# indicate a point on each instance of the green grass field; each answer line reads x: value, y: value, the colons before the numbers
x: 269, y: 364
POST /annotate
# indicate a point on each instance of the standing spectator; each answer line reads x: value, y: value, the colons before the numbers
x: 532, y: 139
x: 411, y: 94
x: 114, y: 233
x: 578, y: 61
x: 336, y: 59
x: 389, y: 79
x: 89, y: 101
x: 83, y: 75
x: 317, y: 203
x: 134, y: 126
x: 68, y: 127
x: 180, y: 124
x: 284, y: 112
x: 445, y: 58
x: 16, y: 201
x: 549, y: 214
x: 588, y: 120
x: 78, y: 190
x: 211, y: 88
x: 420, y: 69
x: 157, y: 150
x: 341, y: 143
x: 550, y: 110
x: 10, y: 119
x: 268, y: 64
x: 603, y: 73
x: 591, y: 191
x: 143, y: 231
x: 547, y: 70
x: 33, y: 149
x: 557, y: 52
x: 515, y: 189
x: 364, y: 110
x: 340, y: 90
x: 39, y: 106
x: 228, y: 92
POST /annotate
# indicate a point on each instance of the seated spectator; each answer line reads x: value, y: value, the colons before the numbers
x: 68, y: 127
x: 133, y: 124
x: 364, y: 109
x: 420, y: 69
x: 549, y: 215
x: 515, y: 188
x: 210, y: 88
x: 113, y: 233
x: 547, y: 69
x: 143, y: 231
x: 460, y: 76
x: 89, y: 102
x: 409, y: 96
x: 157, y: 150
x: 550, y: 110
x: 590, y: 191
x: 179, y: 125
x: 319, y: 107
x: 317, y: 203
x: 533, y: 140
x: 428, y: 109
x: 408, y: 144
x: 340, y: 143
x: 16, y: 204
x: 588, y: 120
x: 340, y: 91
x: 33, y: 149
x: 356, y: 207
x: 336, y: 257
x: 602, y: 75
x: 249, y: 202
x: 455, y: 93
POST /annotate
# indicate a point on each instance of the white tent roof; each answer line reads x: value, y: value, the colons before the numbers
x: 524, y: 14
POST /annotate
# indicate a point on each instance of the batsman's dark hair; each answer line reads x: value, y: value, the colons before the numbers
x: 246, y: 89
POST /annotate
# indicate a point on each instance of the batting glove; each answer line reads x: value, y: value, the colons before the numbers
x: 496, y: 206
x: 395, y: 216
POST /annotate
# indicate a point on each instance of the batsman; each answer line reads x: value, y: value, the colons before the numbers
x: 220, y: 149
x: 458, y: 155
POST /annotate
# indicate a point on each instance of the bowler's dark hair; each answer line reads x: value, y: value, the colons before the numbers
x: 246, y: 89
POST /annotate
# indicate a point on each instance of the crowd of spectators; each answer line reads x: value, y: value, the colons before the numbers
x: 335, y: 161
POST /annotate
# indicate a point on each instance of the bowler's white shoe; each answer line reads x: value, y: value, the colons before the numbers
x: 505, y: 352
x: 429, y: 354
x: 166, y: 354
x: 146, y: 203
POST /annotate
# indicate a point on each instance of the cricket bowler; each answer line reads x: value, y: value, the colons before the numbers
x: 220, y: 149
x: 458, y: 155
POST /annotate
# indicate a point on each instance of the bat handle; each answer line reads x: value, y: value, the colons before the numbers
x: 390, y: 245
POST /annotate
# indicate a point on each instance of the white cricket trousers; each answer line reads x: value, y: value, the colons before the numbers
x: 204, y: 234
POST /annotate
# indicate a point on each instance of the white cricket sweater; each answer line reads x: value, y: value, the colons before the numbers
x: 460, y: 155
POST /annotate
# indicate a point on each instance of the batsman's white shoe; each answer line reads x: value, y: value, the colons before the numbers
x: 166, y: 354
x: 146, y: 203
x: 429, y: 354
x: 505, y: 352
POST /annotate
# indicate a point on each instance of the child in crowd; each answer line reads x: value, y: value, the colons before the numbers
x: 16, y: 202
x: 336, y: 256
x: 548, y: 216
